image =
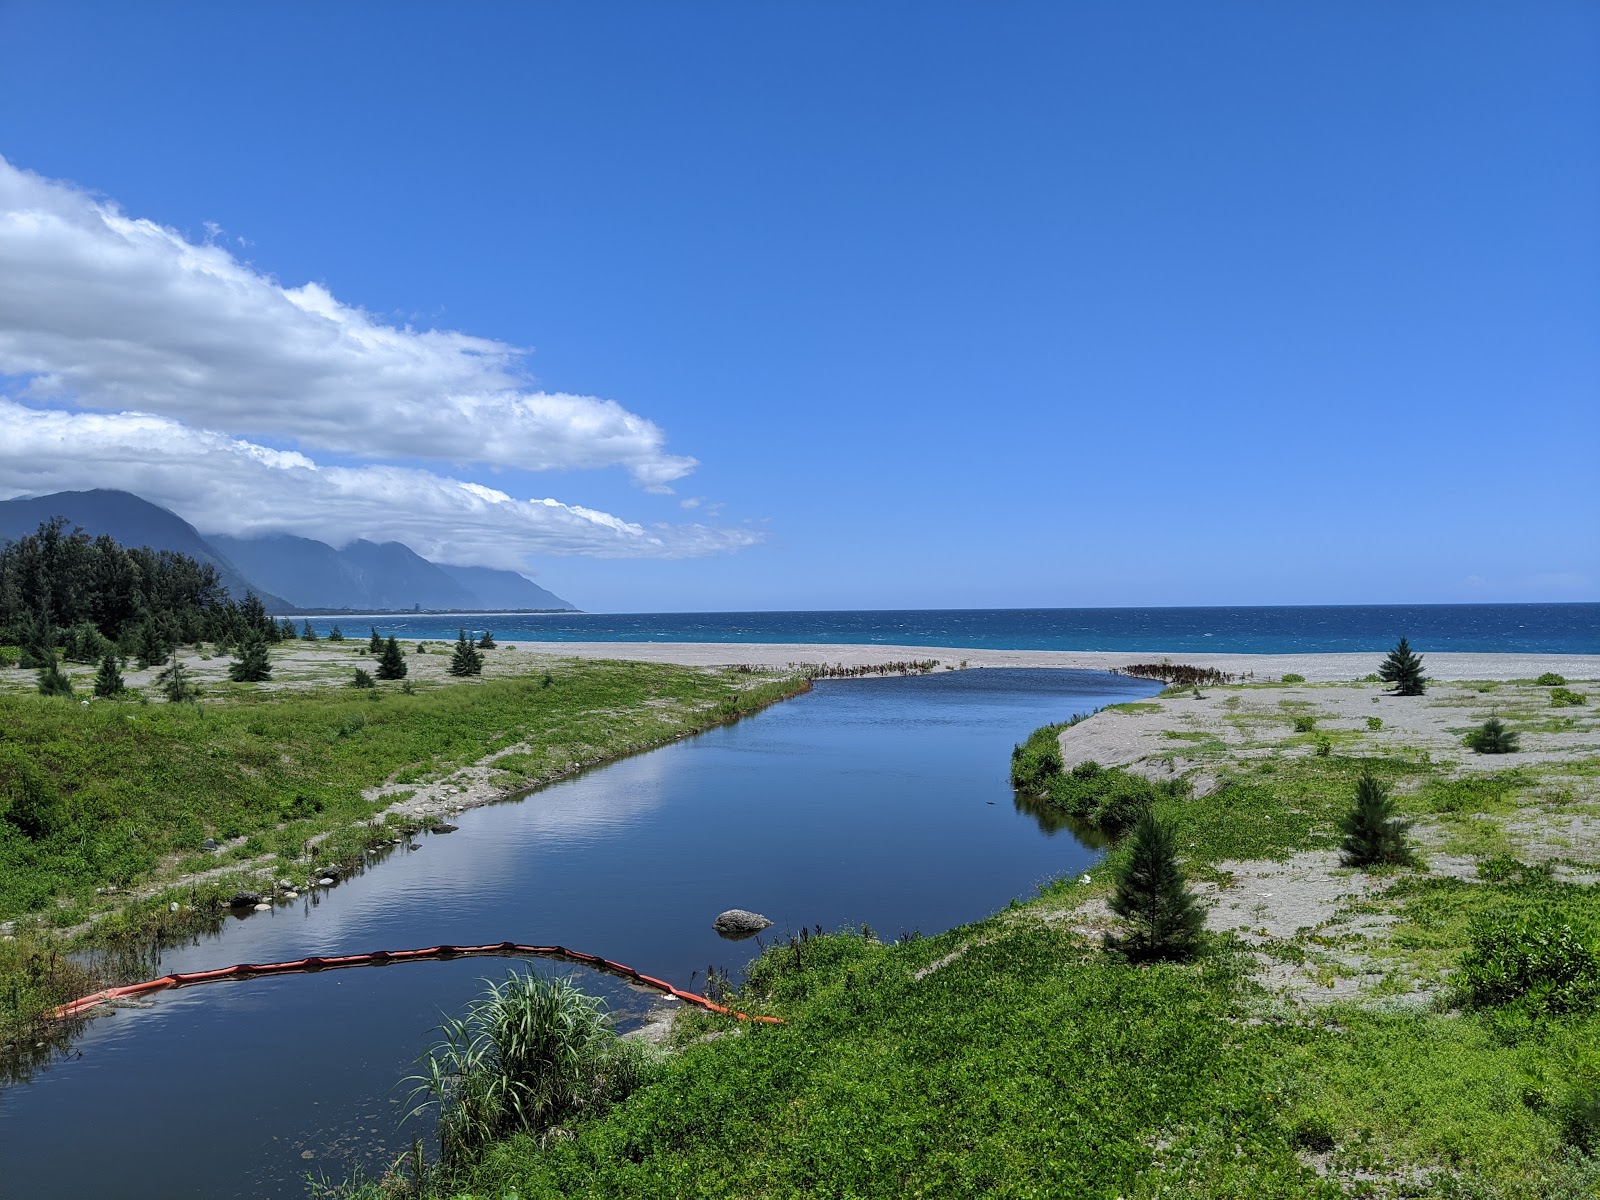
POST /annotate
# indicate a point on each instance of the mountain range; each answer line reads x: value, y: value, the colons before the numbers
x: 288, y: 573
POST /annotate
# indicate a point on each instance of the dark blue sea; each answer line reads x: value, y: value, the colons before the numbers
x: 1491, y: 628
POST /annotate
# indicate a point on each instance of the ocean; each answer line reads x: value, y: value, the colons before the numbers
x: 1480, y: 628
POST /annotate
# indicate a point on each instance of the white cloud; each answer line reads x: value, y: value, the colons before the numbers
x: 228, y: 485
x: 107, y: 312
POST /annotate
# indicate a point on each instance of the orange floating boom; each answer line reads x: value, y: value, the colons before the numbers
x: 379, y: 958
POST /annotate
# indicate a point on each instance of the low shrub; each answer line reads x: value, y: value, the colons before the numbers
x: 1580, y: 1117
x: 1292, y: 677
x: 1534, y: 959
x: 1492, y: 737
x: 1567, y: 698
x: 1374, y: 723
x: 1110, y: 800
x: 1304, y: 724
x: 1550, y: 679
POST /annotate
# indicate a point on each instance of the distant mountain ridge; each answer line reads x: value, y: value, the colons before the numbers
x: 286, y: 571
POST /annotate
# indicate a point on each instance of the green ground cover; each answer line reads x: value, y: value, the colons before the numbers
x: 102, y: 798
x: 1015, y: 1057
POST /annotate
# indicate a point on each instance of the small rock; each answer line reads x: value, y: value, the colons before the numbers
x: 445, y: 827
x: 326, y: 881
x: 739, y: 922
x: 209, y: 844
x: 291, y: 894
x: 263, y: 908
x: 245, y: 899
x: 414, y: 846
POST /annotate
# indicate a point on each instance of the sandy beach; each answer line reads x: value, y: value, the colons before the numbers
x: 1317, y: 668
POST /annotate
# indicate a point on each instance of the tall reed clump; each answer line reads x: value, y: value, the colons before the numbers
x: 530, y: 1054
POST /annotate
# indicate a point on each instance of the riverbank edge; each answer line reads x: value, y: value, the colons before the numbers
x: 1312, y: 1123
x: 127, y: 914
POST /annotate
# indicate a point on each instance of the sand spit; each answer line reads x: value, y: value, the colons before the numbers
x: 1317, y: 668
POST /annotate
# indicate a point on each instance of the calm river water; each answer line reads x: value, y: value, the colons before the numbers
x: 883, y: 801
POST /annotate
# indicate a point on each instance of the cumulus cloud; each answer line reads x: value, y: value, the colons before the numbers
x: 225, y: 484
x: 108, y: 312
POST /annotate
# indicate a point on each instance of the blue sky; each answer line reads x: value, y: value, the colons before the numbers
x: 953, y: 305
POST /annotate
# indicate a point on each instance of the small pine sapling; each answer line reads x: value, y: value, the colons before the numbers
x: 1373, y: 835
x: 1403, y: 669
x: 53, y: 681
x: 108, y: 680
x: 466, y: 660
x: 375, y: 643
x: 307, y: 634
x: 392, y: 661
x: 487, y: 642
x: 1161, y: 917
x: 1492, y: 737
x: 175, y: 685
x: 253, y: 664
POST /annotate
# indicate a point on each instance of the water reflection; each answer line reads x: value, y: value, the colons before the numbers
x: 882, y: 802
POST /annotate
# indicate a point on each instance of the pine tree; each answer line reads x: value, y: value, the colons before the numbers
x: 1161, y: 917
x: 392, y: 663
x: 152, y: 650
x: 38, y: 642
x: 53, y: 681
x: 375, y: 645
x: 108, y: 681
x: 466, y: 660
x: 1492, y: 737
x: 336, y: 634
x: 1403, y: 669
x: 286, y: 630
x: 363, y: 680
x: 308, y: 634
x: 176, y: 686
x: 1372, y: 833
x: 486, y: 642
x: 253, y: 664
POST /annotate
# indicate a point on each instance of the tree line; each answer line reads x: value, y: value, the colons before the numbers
x: 63, y: 592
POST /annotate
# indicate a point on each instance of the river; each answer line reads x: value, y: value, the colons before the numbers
x: 884, y: 801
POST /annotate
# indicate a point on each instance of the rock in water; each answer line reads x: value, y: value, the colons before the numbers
x: 245, y: 899
x: 445, y: 827
x: 739, y: 922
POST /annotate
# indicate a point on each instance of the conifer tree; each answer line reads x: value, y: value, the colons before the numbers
x: 486, y: 642
x: 1492, y: 737
x: 336, y: 634
x: 1372, y: 832
x: 108, y: 680
x: 375, y: 644
x: 308, y: 634
x: 38, y: 642
x: 176, y: 686
x: 152, y: 649
x: 363, y: 680
x: 466, y: 660
x: 1162, y: 919
x: 1403, y: 669
x: 392, y: 663
x: 53, y: 681
x: 286, y: 630
x: 253, y: 664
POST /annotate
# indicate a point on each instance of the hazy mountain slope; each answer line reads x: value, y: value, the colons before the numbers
x: 133, y: 521
x: 504, y: 589
x: 363, y: 574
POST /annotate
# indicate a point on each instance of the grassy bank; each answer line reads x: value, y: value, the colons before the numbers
x: 1320, y: 1048
x: 105, y: 807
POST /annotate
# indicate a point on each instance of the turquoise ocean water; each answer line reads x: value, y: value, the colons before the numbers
x: 1494, y: 628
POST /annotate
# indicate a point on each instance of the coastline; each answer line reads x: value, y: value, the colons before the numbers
x: 1338, y: 667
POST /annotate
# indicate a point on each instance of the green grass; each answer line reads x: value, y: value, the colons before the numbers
x: 1027, y: 1062
x: 99, y: 799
